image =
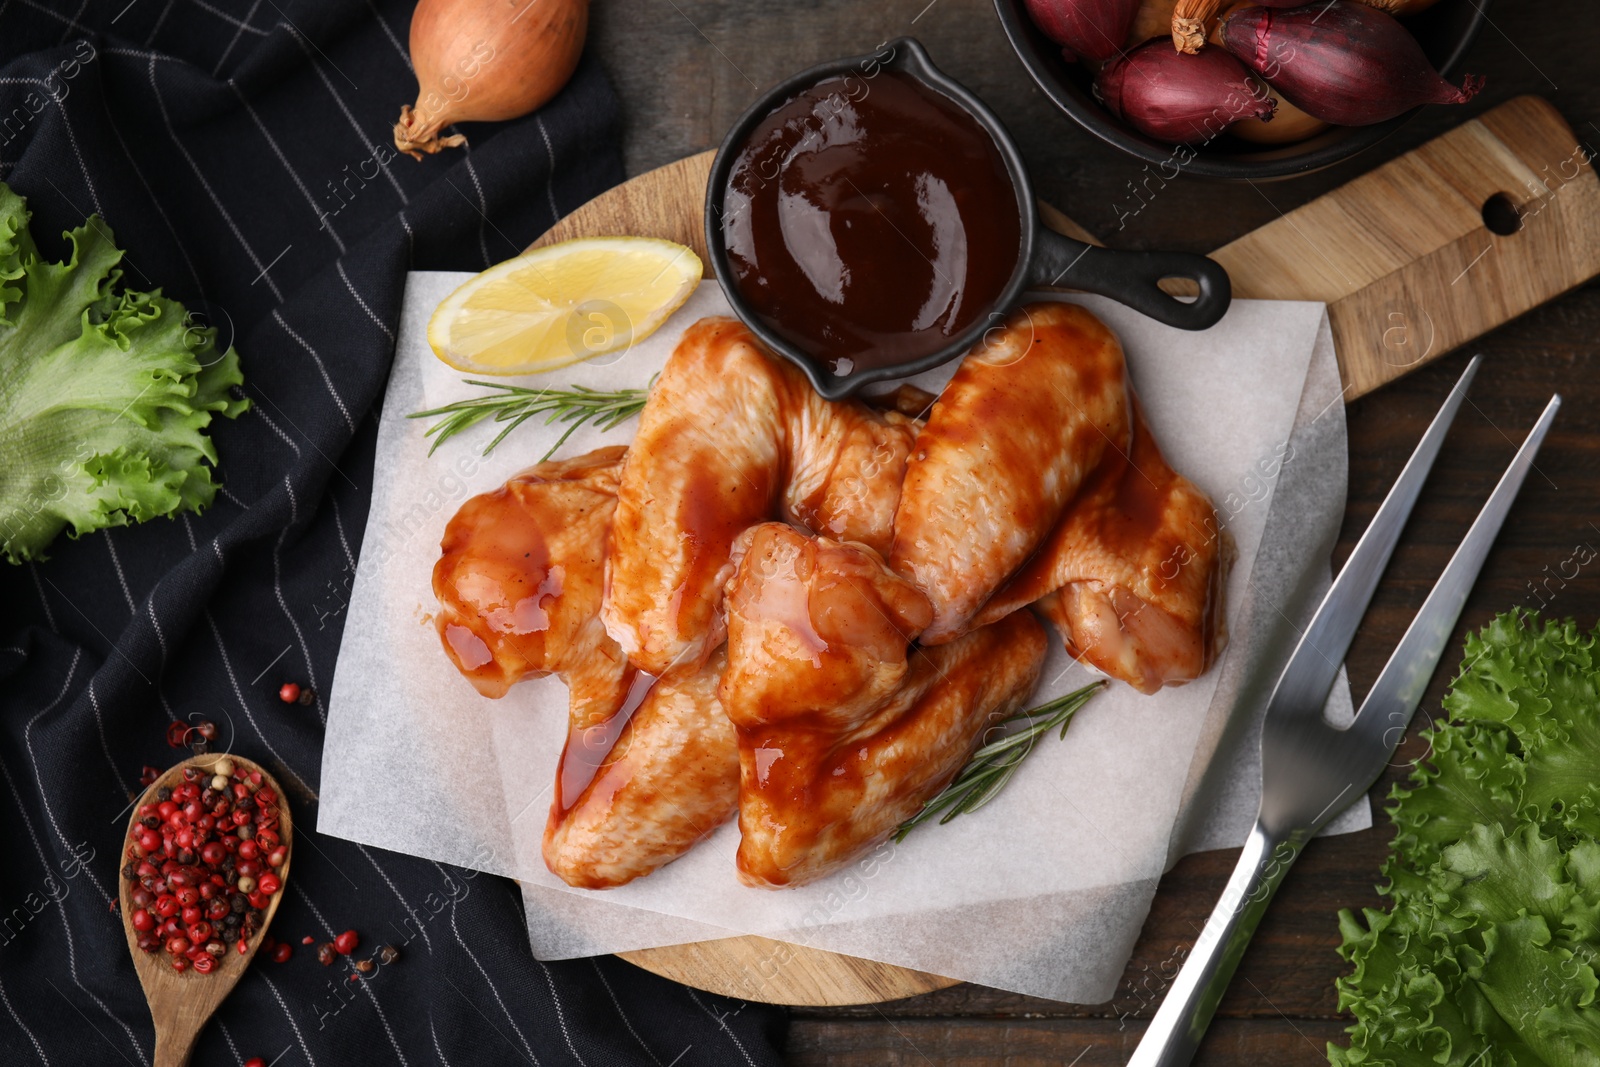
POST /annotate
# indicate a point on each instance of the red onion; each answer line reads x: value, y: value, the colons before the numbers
x: 1178, y: 98
x: 1192, y: 20
x: 1342, y: 61
x: 1089, y: 29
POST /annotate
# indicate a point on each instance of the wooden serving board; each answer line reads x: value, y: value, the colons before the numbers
x: 1409, y: 269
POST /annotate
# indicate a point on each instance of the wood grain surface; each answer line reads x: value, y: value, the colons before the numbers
x: 668, y: 202
x: 685, y: 69
x: 1404, y: 256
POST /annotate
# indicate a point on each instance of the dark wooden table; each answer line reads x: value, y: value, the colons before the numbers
x: 686, y: 68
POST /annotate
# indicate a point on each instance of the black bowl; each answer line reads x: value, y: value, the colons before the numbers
x: 1445, y: 32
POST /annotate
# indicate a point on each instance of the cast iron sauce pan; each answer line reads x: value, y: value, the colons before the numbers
x: 1046, y: 259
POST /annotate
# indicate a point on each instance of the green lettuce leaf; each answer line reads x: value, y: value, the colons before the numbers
x: 1488, y: 952
x: 1542, y: 991
x: 105, y: 393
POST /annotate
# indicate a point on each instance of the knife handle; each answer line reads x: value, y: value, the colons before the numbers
x: 1174, y: 1034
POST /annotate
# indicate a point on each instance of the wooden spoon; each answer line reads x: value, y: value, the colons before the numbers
x: 182, y: 1002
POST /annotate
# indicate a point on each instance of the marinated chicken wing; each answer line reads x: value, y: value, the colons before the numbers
x: 650, y: 766
x: 1034, y: 482
x: 844, y: 729
x: 1133, y: 575
x: 642, y: 787
x: 844, y: 465
x: 816, y: 622
x: 1011, y: 439
x: 519, y: 581
x: 731, y: 436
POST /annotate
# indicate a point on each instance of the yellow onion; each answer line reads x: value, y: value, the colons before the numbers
x: 486, y: 61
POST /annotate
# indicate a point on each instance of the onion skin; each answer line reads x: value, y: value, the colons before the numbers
x: 1091, y: 30
x: 1193, y: 20
x: 1181, y: 99
x: 1339, y: 60
x: 486, y: 61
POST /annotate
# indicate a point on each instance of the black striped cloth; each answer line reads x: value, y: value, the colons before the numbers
x: 241, y: 152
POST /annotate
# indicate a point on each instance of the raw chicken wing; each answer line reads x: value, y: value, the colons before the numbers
x: 844, y: 464
x: 844, y: 729
x: 1011, y: 439
x: 519, y: 581
x: 1133, y: 576
x: 731, y: 436
x: 816, y: 622
x: 642, y: 787
x: 650, y: 767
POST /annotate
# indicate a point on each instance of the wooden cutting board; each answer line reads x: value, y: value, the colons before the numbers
x: 1404, y: 257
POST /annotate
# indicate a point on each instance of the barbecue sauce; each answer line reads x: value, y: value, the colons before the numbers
x: 589, y: 748
x: 870, y: 221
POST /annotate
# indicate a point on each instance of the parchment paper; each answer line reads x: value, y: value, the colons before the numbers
x: 418, y: 762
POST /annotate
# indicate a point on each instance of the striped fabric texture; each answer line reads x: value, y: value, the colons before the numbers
x: 240, y: 150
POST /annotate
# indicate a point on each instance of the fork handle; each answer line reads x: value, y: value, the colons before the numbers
x: 1174, y: 1034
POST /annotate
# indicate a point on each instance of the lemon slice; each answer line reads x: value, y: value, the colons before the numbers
x: 563, y: 303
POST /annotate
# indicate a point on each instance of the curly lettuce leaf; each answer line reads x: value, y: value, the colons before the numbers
x: 1407, y: 986
x: 105, y: 393
x: 1542, y: 990
x: 1489, y: 950
x: 1469, y: 779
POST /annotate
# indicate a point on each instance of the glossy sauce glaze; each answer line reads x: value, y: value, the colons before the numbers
x: 519, y: 578
x: 1128, y: 495
x: 1133, y: 574
x: 496, y: 582
x: 730, y: 436
x: 870, y: 221
x: 1154, y: 518
x: 588, y: 748
x: 1027, y: 418
x: 638, y: 789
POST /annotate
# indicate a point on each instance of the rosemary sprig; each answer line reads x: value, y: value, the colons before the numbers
x: 515, y: 404
x: 993, y: 764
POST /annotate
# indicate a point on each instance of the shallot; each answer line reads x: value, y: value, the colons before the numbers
x: 1181, y: 99
x: 1093, y: 30
x: 1339, y: 60
x: 486, y: 61
x: 1193, y: 20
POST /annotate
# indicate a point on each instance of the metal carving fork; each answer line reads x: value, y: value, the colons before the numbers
x: 1311, y: 771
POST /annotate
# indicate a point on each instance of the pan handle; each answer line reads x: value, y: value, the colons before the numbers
x: 1130, y: 278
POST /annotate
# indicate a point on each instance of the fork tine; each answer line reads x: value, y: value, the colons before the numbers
x: 1308, y: 676
x: 1387, y: 711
